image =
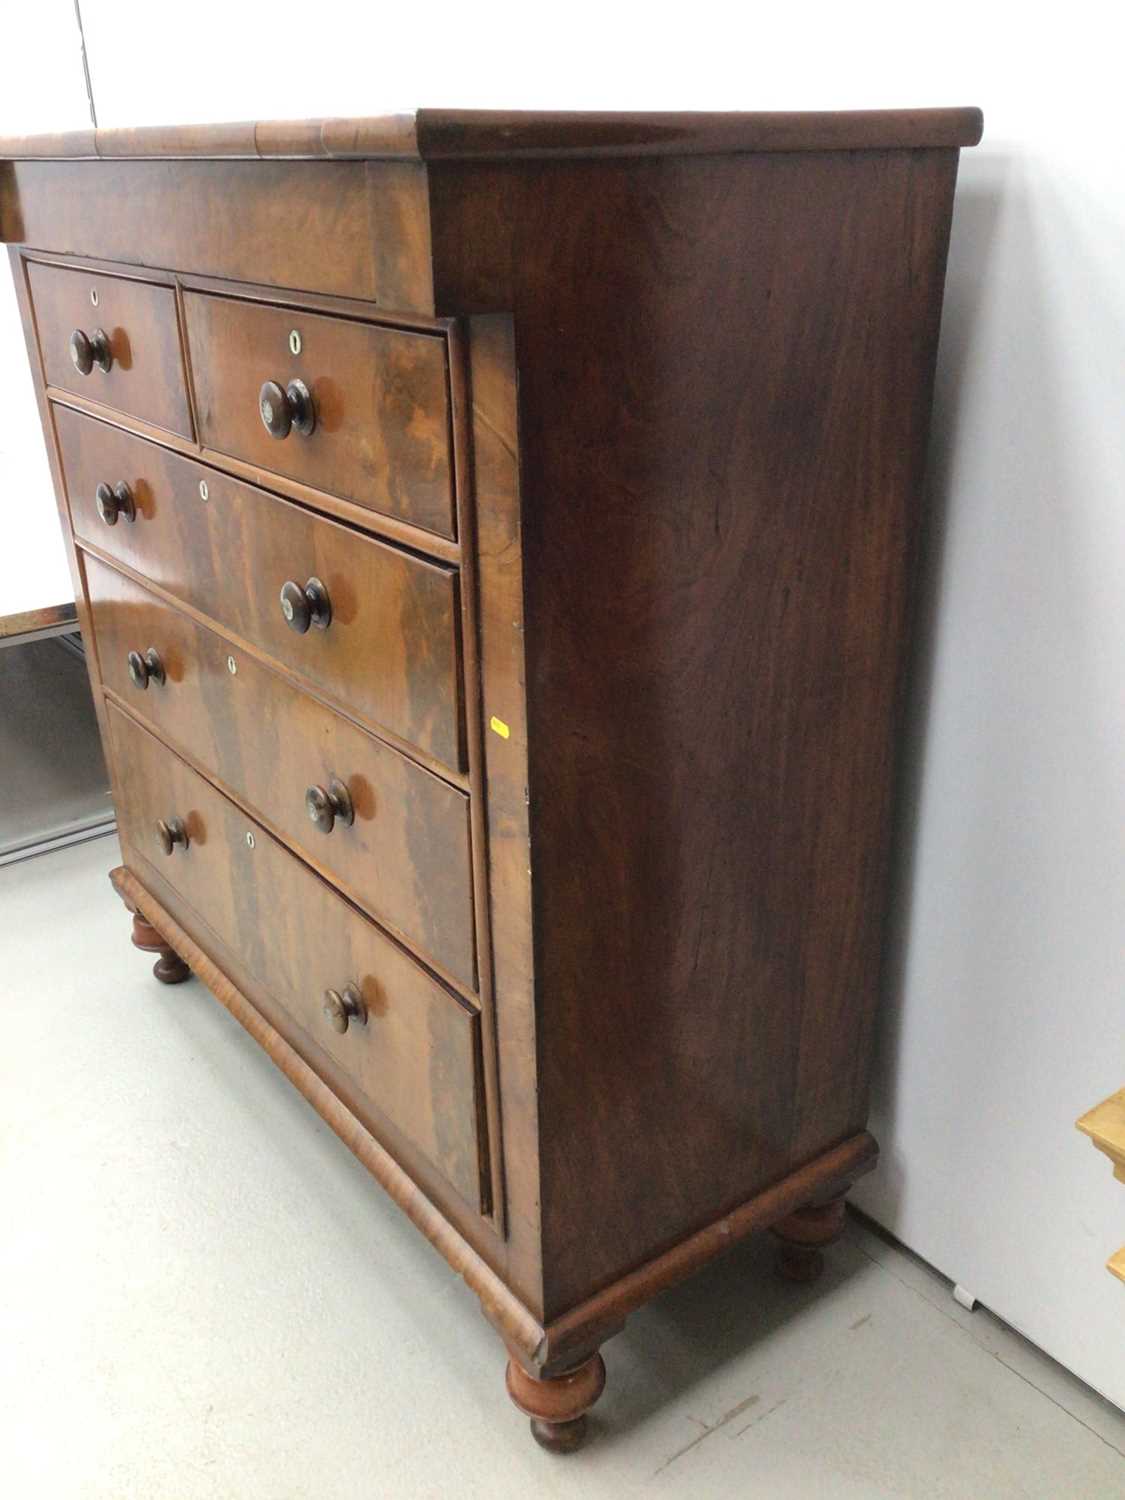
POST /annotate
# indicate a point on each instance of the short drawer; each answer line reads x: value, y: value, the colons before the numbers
x: 378, y: 399
x: 390, y: 653
x: 405, y: 854
x: 145, y: 376
x: 415, y: 1056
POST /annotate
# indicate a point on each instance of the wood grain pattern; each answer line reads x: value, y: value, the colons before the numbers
x: 169, y: 968
x: 50, y: 619
x: 417, y: 1057
x: 354, y: 229
x: 381, y: 398
x: 451, y: 135
x: 388, y: 528
x: 434, y: 134
x: 717, y: 549
x: 147, y: 378
x: 468, y: 578
x: 557, y: 1407
x: 497, y: 552
x: 406, y: 856
x: 391, y: 652
x: 576, y: 1333
x: 1105, y: 1126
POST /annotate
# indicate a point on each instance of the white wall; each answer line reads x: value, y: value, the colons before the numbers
x: 43, y: 89
x: 1007, y: 1010
x: 1009, y: 1015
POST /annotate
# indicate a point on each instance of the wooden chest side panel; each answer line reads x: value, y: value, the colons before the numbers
x: 725, y: 371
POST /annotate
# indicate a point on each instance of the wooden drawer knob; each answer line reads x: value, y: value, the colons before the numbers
x: 306, y: 606
x: 341, y: 1007
x: 325, y: 805
x: 145, y: 669
x: 114, y: 503
x: 171, y: 833
x: 282, y: 410
x: 86, y: 352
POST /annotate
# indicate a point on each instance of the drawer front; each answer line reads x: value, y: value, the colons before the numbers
x: 380, y: 397
x: 417, y: 1056
x: 391, y: 651
x: 405, y: 857
x: 146, y: 375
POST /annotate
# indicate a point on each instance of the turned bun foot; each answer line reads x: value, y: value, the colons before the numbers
x: 169, y: 967
x: 558, y: 1407
x: 802, y: 1237
x: 559, y: 1437
x: 800, y: 1263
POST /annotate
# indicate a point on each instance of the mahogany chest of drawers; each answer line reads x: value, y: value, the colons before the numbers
x: 494, y: 539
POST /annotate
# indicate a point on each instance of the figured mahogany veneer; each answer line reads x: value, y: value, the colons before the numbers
x: 228, y: 557
x: 380, y: 397
x: 146, y: 378
x: 415, y: 1057
x: 548, y: 855
x: 406, y: 854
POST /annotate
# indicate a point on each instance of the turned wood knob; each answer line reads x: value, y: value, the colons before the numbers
x: 341, y: 1007
x: 114, y: 503
x: 171, y: 833
x: 145, y: 669
x: 306, y: 606
x: 282, y: 410
x: 86, y: 352
x: 325, y: 805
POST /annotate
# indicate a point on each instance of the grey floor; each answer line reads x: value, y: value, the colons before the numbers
x: 53, y: 781
x: 202, y: 1295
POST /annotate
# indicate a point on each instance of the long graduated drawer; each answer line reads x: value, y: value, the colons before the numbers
x: 390, y: 651
x: 399, y: 845
x: 414, y: 1053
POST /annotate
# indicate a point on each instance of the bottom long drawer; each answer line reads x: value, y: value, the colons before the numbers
x: 413, y: 1049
